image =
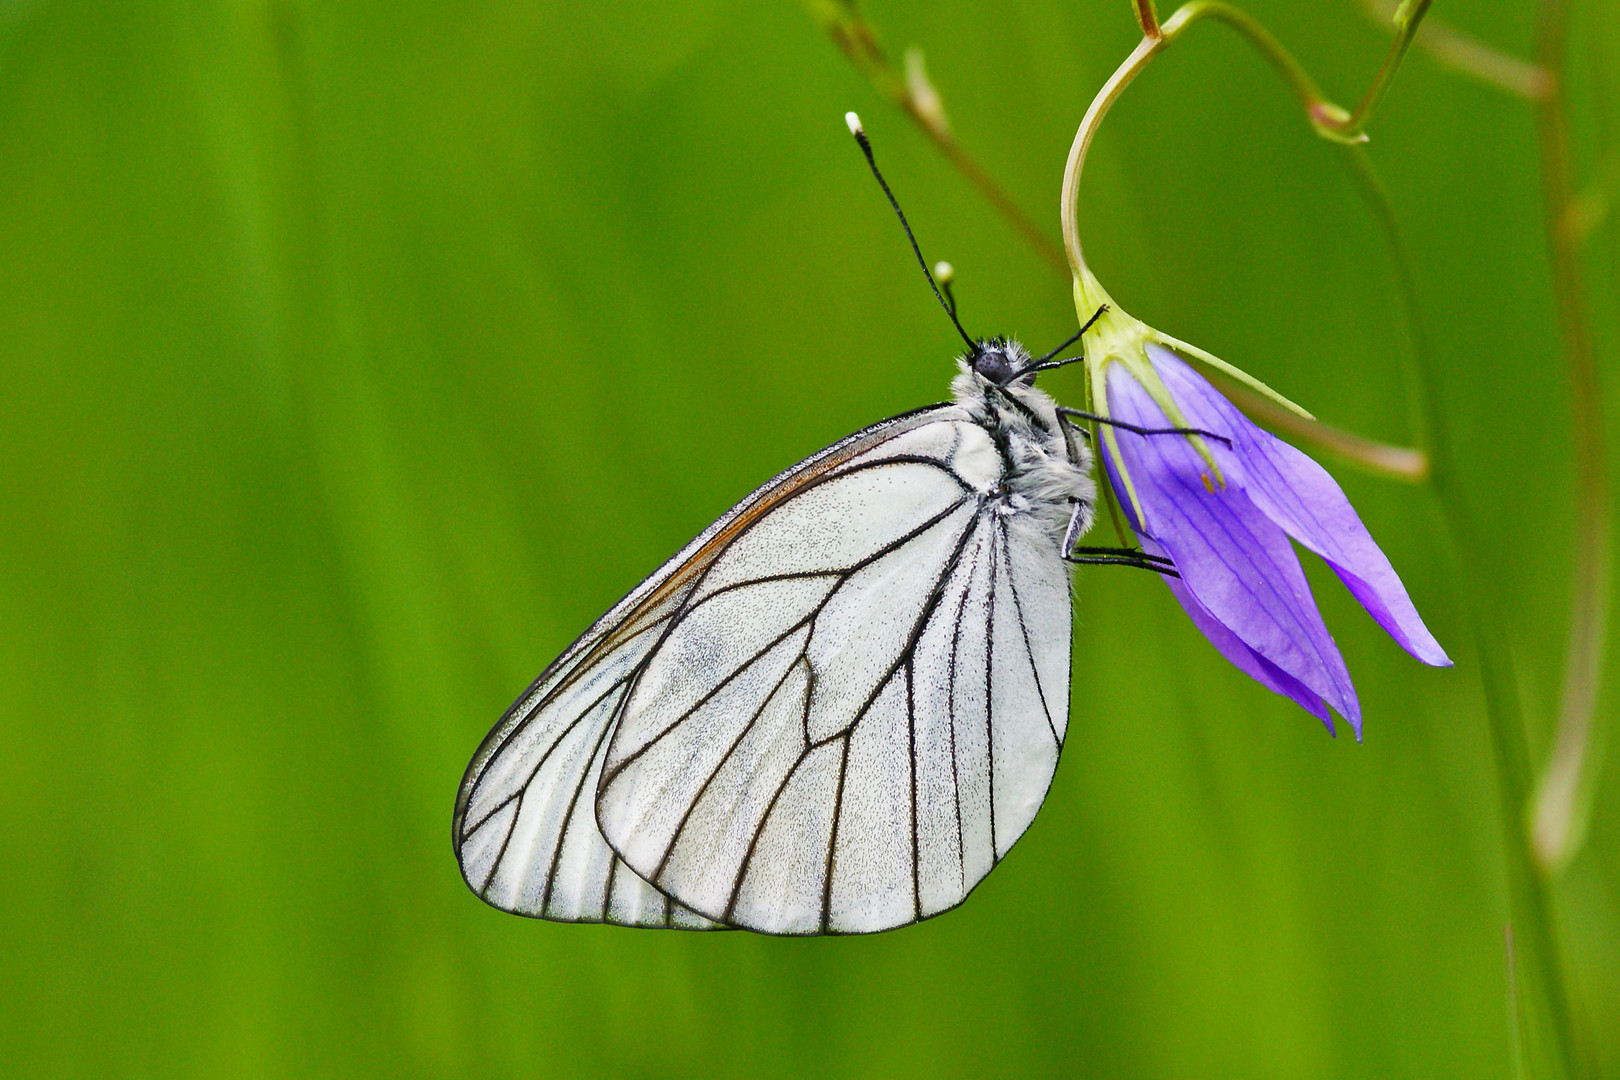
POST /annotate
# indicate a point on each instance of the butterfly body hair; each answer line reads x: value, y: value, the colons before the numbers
x: 1046, y: 472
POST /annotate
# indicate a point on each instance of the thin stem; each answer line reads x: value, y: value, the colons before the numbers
x: 1559, y: 808
x: 1300, y: 83
x: 1397, y: 462
x: 1424, y: 419
x: 1401, y: 463
x: 1330, y: 120
x: 1408, y: 16
x: 1467, y: 54
x: 1112, y: 89
x: 1515, y: 1013
x: 1147, y: 18
x: 1527, y: 892
x: 859, y: 42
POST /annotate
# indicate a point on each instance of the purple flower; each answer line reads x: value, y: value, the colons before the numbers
x: 1226, y: 528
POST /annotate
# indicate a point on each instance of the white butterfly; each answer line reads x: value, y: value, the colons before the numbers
x: 832, y: 712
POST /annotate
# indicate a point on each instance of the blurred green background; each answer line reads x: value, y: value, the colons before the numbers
x: 354, y: 357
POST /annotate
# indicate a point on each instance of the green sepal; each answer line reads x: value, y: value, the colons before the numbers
x: 1118, y: 338
x: 1193, y: 352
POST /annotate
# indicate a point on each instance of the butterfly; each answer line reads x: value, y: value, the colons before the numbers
x: 837, y: 708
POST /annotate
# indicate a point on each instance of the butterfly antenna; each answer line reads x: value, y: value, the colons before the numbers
x: 945, y: 273
x: 859, y: 132
x: 1078, y: 334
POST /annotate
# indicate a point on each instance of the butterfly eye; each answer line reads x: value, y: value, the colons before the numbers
x: 992, y: 363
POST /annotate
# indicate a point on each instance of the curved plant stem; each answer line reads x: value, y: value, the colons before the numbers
x: 1468, y: 55
x: 1069, y: 210
x: 1527, y: 895
x: 1318, y: 108
x: 1558, y: 822
x: 1408, y: 16
x: 1563, y: 792
x: 1331, y: 121
x: 1527, y: 889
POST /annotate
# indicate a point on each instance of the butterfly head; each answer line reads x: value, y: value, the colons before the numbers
x: 998, y: 360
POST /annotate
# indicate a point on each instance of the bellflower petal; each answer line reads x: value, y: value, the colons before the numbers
x: 1299, y: 495
x: 1240, y: 656
x: 1233, y: 560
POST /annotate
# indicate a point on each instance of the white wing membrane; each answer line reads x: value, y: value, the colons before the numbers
x: 526, y: 834
x: 858, y: 707
x: 525, y: 830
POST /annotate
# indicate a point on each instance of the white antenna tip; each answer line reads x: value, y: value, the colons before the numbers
x: 854, y: 123
x: 944, y: 272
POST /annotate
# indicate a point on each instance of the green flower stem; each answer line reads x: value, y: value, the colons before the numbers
x: 1563, y: 791
x: 1467, y: 55
x: 1408, y: 17
x: 1541, y: 994
x: 1390, y: 462
x: 1544, y: 994
x: 1562, y: 800
x: 1069, y: 208
x: 1328, y: 118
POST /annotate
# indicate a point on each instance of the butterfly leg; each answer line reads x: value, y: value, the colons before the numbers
x: 1065, y: 412
x: 1122, y: 557
x: 1071, y: 429
x: 1080, y: 520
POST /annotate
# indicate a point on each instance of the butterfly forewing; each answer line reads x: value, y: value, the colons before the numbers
x: 858, y: 705
x: 525, y: 829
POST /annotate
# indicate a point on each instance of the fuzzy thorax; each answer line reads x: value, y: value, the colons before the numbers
x: 1047, y: 467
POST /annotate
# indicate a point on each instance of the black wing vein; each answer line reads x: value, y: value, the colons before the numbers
x: 1023, y: 628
